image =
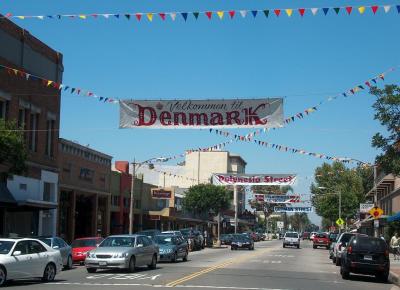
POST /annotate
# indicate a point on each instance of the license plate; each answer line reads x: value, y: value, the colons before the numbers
x: 102, y: 263
x: 368, y: 258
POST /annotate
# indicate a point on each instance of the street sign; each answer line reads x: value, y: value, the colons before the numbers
x: 280, y: 225
x: 365, y: 207
x: 376, y: 212
x: 340, y: 222
x: 376, y: 223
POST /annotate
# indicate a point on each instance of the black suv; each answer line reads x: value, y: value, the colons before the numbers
x: 366, y: 255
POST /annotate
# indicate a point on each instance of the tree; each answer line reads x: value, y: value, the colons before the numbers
x: 332, y: 180
x: 13, y: 153
x: 299, y: 221
x: 387, y: 111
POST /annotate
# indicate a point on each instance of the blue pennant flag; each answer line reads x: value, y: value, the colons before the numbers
x: 254, y: 12
x: 184, y: 15
x: 398, y: 8
x: 325, y: 10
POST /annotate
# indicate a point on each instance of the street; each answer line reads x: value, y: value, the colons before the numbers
x: 268, y: 267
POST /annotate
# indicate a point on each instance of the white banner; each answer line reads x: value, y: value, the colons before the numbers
x: 200, y: 114
x: 254, y: 179
x: 280, y: 225
x: 366, y: 207
x: 293, y: 209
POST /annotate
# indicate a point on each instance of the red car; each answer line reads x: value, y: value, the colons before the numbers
x: 321, y: 240
x: 81, y: 246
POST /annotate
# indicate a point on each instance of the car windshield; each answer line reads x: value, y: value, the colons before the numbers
x: 321, y: 236
x: 5, y: 247
x: 333, y: 237
x: 84, y: 243
x: 368, y: 244
x: 346, y: 238
x: 118, y: 242
x: 47, y: 241
x: 165, y: 240
x: 292, y: 235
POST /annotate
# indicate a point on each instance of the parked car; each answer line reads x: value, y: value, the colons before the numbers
x: 173, y: 233
x: 321, y: 240
x: 366, y: 255
x: 340, y: 246
x: 172, y: 247
x: 306, y: 236
x: 281, y: 235
x: 226, y: 239
x: 149, y: 233
x: 291, y: 239
x: 123, y: 252
x: 241, y: 242
x: 59, y: 244
x: 28, y: 258
x: 312, y: 235
x: 81, y: 246
x: 194, y: 238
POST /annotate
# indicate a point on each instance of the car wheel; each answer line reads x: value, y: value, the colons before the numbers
x: 185, y: 258
x: 344, y: 272
x: 284, y: 246
x: 3, y: 276
x: 384, y: 276
x: 173, y: 258
x: 334, y: 260
x: 49, y: 272
x: 314, y: 247
x: 153, y: 264
x: 132, y: 265
x: 337, y: 262
x: 91, y: 270
x: 298, y: 246
x: 69, y: 263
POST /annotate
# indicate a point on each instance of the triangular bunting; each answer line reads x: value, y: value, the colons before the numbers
x: 314, y: 11
x: 232, y: 13
x: 374, y: 9
x: 138, y: 16
x: 387, y: 8
x: 361, y: 9
x: 326, y: 10
x: 209, y: 14
x: 337, y: 10
x: 349, y: 9
x: 173, y: 16
x: 277, y: 12
x: 254, y: 12
x: 162, y: 15
x: 184, y: 15
x: 398, y: 8
x: 289, y: 12
x: 128, y: 16
x: 302, y: 11
x: 149, y: 16
x: 243, y: 13
x: 196, y: 15
x: 266, y: 13
x: 220, y: 14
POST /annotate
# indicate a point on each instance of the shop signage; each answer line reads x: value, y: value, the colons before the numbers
x: 161, y: 194
x: 259, y: 197
x: 276, y: 198
x: 293, y: 209
x: 154, y: 217
x: 254, y: 179
x: 199, y: 114
x: 280, y: 225
x: 365, y: 207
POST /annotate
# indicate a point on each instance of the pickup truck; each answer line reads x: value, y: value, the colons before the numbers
x: 291, y: 239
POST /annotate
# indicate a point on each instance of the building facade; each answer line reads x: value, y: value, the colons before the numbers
x: 84, y: 191
x: 35, y: 108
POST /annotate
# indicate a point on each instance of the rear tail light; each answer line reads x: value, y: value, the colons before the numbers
x: 349, y: 250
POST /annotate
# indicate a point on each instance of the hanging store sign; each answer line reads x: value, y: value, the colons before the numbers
x: 200, y: 114
x: 275, y: 198
x: 366, y: 207
x: 161, y: 194
x: 293, y: 209
x: 259, y: 197
x: 254, y: 179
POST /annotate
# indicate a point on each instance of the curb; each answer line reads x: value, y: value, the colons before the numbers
x: 394, y: 278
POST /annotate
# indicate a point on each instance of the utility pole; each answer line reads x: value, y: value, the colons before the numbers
x: 376, y: 230
x: 131, y: 216
x: 235, y: 203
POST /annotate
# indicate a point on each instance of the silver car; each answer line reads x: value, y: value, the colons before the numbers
x: 123, y: 252
x: 59, y: 244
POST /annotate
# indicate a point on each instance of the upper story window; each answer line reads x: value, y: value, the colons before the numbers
x: 3, y: 109
x: 86, y: 174
x: 33, y: 137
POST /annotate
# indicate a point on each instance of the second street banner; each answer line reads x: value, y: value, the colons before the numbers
x: 254, y: 179
x: 292, y: 209
x: 200, y: 114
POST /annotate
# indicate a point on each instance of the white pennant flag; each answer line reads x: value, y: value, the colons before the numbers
x: 40, y: 17
x: 243, y: 13
x: 106, y: 15
x: 27, y: 76
x: 173, y: 16
x: 314, y: 10
x: 61, y: 86
x: 387, y: 8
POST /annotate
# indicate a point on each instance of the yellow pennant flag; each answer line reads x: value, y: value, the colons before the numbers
x: 15, y: 71
x: 220, y: 14
x: 356, y: 89
x: 361, y: 9
x: 49, y: 83
x: 82, y: 16
x: 289, y: 12
x: 150, y: 16
x: 21, y: 17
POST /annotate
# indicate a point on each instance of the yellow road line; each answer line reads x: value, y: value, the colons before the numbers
x: 212, y: 268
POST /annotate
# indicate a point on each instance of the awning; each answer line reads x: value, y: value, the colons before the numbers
x: 37, y: 204
x: 393, y: 218
x: 6, y: 198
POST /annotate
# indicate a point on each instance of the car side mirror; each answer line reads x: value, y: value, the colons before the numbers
x: 139, y: 246
x: 56, y: 247
x: 17, y: 253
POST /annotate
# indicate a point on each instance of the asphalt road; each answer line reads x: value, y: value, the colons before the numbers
x: 268, y: 267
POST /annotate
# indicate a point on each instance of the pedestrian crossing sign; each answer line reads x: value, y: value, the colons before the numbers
x: 339, y: 222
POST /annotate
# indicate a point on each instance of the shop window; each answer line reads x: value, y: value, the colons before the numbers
x: 49, y: 138
x: 3, y: 109
x: 48, y: 192
x: 33, y: 138
x: 86, y: 174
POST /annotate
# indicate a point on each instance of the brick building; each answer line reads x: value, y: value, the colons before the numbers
x: 32, y: 196
x: 84, y: 199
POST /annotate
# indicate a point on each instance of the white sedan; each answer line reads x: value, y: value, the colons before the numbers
x: 28, y: 258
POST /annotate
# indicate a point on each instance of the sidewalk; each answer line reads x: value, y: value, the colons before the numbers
x: 394, y: 275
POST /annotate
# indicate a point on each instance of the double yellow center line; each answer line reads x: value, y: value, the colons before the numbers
x: 210, y: 269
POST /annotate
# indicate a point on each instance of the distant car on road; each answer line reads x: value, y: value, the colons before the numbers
x: 194, y: 238
x: 226, y: 239
x: 340, y: 246
x: 306, y: 236
x: 28, y: 258
x: 366, y: 255
x: 81, y: 246
x: 123, y: 252
x: 321, y: 240
x: 59, y: 244
x: 312, y: 235
x: 149, y: 233
x: 291, y: 239
x: 172, y: 247
x: 241, y: 242
x: 173, y: 233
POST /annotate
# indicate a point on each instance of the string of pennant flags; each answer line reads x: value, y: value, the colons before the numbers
x: 174, y: 175
x: 216, y: 14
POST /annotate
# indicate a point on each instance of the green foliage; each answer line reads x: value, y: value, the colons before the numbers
x: 387, y: 111
x: 205, y: 197
x: 336, y: 178
x: 12, y: 148
x: 299, y: 221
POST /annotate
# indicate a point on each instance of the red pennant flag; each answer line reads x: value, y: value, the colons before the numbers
x: 209, y: 14
x: 232, y: 13
x: 349, y: 9
x: 374, y: 9
x: 382, y: 76
x: 162, y: 15
x: 368, y: 84
x: 94, y: 15
x: 138, y: 16
x: 8, y: 15
x: 301, y: 11
x: 277, y: 12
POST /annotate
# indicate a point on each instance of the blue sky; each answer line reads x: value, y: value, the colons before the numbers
x: 304, y: 60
